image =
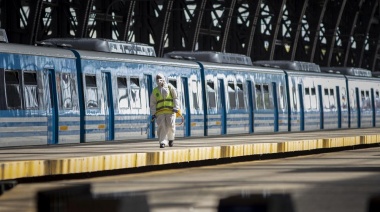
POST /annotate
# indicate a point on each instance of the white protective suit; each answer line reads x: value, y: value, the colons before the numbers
x: 165, y: 122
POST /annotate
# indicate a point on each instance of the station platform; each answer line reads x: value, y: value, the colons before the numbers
x: 53, y: 160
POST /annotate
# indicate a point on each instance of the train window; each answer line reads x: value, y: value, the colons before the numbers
x: 307, y: 91
x: 66, y: 89
x: 231, y: 94
x: 173, y: 82
x: 313, y: 91
x: 30, y: 78
x: 30, y: 90
x: 332, y: 98
x: 194, y: 88
x: 91, y: 92
x: 344, y: 98
x: 240, y: 95
x: 294, y: 91
x: 267, y: 97
x: 367, y: 100
x: 211, y: 95
x: 13, y: 90
x: 122, y: 88
x: 259, y: 97
x: 363, y: 100
x: 135, y: 93
x: 377, y: 99
x: 181, y: 99
x: 353, y: 98
x: 307, y: 98
x: 282, y: 97
x: 326, y: 92
x: 313, y: 98
x: 326, y: 99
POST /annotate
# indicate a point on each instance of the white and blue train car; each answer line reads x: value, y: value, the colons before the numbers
x: 225, y: 99
x: 363, y: 96
x: 362, y: 105
x: 318, y: 100
x: 116, y: 90
x: 270, y: 100
x: 55, y: 96
x: 239, y: 97
x: 39, y: 96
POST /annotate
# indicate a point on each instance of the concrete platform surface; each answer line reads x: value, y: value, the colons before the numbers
x: 342, y: 181
x: 35, y: 161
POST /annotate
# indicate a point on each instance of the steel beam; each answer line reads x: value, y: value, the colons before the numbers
x: 300, y: 15
x: 33, y: 21
x: 376, y: 54
x: 211, y: 27
x: 128, y: 17
x: 201, y: 5
x: 316, y: 29
x: 352, y: 30
x: 83, y: 16
x: 374, y: 11
x: 226, y: 24
x: 164, y: 26
x: 278, y: 8
x: 255, y: 7
x: 243, y: 27
x: 334, y: 32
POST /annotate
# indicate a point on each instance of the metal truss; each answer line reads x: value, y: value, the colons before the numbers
x: 327, y: 32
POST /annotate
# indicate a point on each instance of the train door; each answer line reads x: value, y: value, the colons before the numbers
x: 339, y: 107
x: 186, y: 107
x: 151, y: 126
x: 321, y: 112
x: 373, y: 108
x: 377, y: 106
x: 275, y: 107
x: 250, y: 107
x: 358, y: 107
x: 52, y: 109
x: 302, y: 109
x: 180, y: 85
x: 222, y: 106
x: 109, y: 113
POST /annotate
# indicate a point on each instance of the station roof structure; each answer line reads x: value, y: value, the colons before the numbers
x: 328, y: 33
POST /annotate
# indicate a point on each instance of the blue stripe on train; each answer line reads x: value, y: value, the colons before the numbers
x: 36, y: 133
x: 22, y: 124
x: 119, y: 130
x: 35, y: 124
x: 22, y: 134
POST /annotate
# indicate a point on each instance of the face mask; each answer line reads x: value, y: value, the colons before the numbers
x: 160, y: 82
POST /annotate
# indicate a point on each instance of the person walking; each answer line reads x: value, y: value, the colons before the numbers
x: 164, y: 105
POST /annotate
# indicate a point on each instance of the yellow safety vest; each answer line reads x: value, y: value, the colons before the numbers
x: 164, y: 105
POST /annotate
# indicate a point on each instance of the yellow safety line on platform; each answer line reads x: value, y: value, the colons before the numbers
x: 37, y: 168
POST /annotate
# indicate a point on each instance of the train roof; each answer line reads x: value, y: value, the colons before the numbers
x: 376, y: 74
x: 289, y: 65
x: 12, y: 48
x: 351, y: 71
x: 103, y: 56
x: 103, y: 45
x: 211, y: 56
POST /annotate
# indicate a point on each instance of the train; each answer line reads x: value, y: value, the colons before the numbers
x: 65, y: 91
